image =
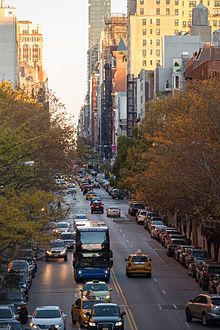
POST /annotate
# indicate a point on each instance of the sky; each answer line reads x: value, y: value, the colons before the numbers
x: 65, y: 33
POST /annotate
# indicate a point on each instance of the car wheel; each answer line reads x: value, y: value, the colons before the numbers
x: 65, y: 258
x: 91, y: 212
x: 148, y: 275
x: 205, y: 321
x: 127, y: 274
x: 188, y: 315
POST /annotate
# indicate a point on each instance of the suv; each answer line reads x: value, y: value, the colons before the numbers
x: 106, y: 315
x: 140, y: 216
x: 134, y: 207
x: 56, y: 250
x: 97, y: 206
x: 205, y: 307
x: 208, y: 269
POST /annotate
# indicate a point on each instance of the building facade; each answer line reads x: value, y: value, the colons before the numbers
x: 150, y: 20
x: 8, y: 44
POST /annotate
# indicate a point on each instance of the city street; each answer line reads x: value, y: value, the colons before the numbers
x: 156, y: 303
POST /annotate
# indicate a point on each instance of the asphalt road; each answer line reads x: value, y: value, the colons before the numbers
x: 150, y: 304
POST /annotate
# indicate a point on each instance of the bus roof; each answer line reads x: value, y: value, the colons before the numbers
x: 93, y: 226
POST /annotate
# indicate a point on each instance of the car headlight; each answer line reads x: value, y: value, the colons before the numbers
x: 56, y: 326
x: 33, y: 326
x: 92, y: 324
x: 118, y: 324
x: 62, y: 252
x: 108, y: 296
x: 49, y: 252
x: 106, y: 271
x: 18, y: 308
x: 79, y: 272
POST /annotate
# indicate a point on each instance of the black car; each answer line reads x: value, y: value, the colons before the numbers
x: 14, y: 325
x: 29, y: 255
x: 134, y: 207
x: 106, y: 316
x: 17, y: 298
x: 16, y: 281
x: 69, y: 239
x: 97, y: 206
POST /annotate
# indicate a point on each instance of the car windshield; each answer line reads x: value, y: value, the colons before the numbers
x: 200, y: 254
x: 14, y: 325
x: 216, y: 301
x: 57, y: 244
x: 88, y: 304
x: 139, y: 259
x: 113, y: 207
x: 68, y: 236
x: 47, y: 314
x: 138, y: 206
x: 106, y: 311
x: 80, y: 216
x: 143, y: 212
x: 5, y: 313
x: 96, y: 287
x: 20, y: 264
x: 214, y: 270
x: 62, y: 225
x: 11, y: 295
x: 177, y: 241
x: 157, y: 222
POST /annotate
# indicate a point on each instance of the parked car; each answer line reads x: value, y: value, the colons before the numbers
x: 194, y: 268
x: 208, y: 269
x: 16, y: 298
x: 20, y: 266
x: 165, y: 234
x: 172, y: 236
x: 173, y: 242
x: 150, y: 214
x: 205, y: 307
x: 13, y: 280
x: 195, y: 254
x: 134, y: 207
x: 46, y: 316
x: 214, y: 284
x: 180, y: 249
x: 7, y: 312
x: 140, y: 216
x: 29, y: 255
x: 12, y: 324
x: 57, y: 249
x: 113, y: 211
x: 154, y: 222
x: 155, y: 232
x: 106, y: 314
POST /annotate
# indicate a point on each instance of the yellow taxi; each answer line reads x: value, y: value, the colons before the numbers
x: 90, y: 195
x: 82, y: 306
x: 138, y: 263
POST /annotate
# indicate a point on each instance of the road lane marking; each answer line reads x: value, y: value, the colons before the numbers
x: 163, y: 291
x: 187, y: 324
x: 175, y: 307
x: 129, y: 314
x: 155, y: 280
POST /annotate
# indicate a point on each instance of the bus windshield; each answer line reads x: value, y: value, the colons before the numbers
x: 93, y: 240
x: 93, y: 260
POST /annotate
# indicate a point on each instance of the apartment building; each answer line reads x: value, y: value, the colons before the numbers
x: 150, y: 20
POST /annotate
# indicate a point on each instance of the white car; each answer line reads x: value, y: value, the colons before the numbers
x: 61, y: 227
x: 141, y: 215
x: 80, y: 219
x: 46, y: 316
x: 156, y: 230
x: 113, y: 211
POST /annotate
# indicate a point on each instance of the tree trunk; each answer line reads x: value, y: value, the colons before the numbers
x: 216, y: 250
x: 209, y: 247
x: 190, y: 228
x: 195, y: 232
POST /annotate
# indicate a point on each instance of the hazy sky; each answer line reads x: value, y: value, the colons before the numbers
x: 65, y: 32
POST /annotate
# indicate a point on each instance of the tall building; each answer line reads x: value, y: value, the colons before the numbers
x: 32, y: 76
x: 150, y: 20
x: 98, y: 9
x: 8, y: 44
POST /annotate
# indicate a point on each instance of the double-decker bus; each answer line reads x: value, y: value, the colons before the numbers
x: 92, y: 256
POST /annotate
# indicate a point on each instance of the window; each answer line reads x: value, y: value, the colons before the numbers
x: 141, y: 11
x: 158, y: 42
x: 157, y: 2
x: 189, y: 24
x: 190, y: 14
x: 218, y: 23
x: 151, y: 52
x: 144, y: 42
x: 144, y: 63
x: 176, y: 32
x: 167, y: 2
x: 217, y: 3
x: 35, y: 51
x: 192, y: 4
x: 144, y: 22
x: 158, y: 62
x: 157, y: 32
x: 167, y: 11
x: 144, y: 52
x: 184, y: 24
x: 151, y: 31
x: 214, y: 23
x: 183, y: 3
x: 151, y: 21
x: 208, y: 3
x: 25, y: 52
x: 216, y: 12
x: 151, y: 42
x: 144, y: 32
x: 177, y: 2
x: 183, y: 13
x: 151, y: 62
x: 157, y: 21
x: 176, y: 22
x: 158, y: 52
x: 176, y: 12
x: 141, y: 2
x: 157, y: 11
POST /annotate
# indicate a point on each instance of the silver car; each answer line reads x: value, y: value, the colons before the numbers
x: 205, y: 307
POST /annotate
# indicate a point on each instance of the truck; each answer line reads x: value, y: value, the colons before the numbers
x: 92, y: 256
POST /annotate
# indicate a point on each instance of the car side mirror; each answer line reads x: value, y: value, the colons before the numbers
x: 126, y: 259
x: 123, y: 313
x: 150, y: 259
